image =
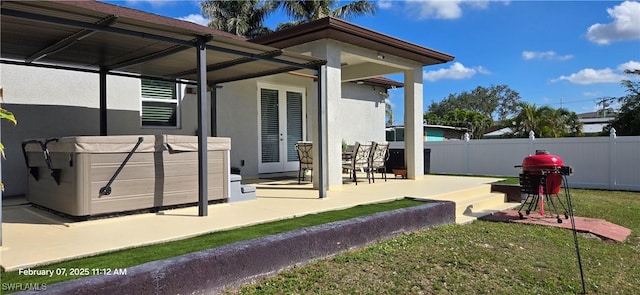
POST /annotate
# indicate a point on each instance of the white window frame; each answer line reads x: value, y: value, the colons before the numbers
x: 174, y: 101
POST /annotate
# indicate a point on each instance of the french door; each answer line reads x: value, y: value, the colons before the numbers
x: 282, y: 125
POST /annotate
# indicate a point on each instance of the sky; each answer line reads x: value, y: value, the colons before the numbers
x: 558, y: 53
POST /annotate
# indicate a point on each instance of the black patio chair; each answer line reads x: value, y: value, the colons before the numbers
x: 305, y: 156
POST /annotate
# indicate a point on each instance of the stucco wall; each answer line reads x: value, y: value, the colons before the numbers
x: 237, y: 118
x: 55, y: 103
x: 237, y: 102
x: 362, y: 113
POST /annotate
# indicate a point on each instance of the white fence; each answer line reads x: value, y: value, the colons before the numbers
x: 611, y: 163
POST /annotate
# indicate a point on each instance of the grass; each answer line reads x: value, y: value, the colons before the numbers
x: 510, y: 180
x: 482, y: 257
x: 135, y: 256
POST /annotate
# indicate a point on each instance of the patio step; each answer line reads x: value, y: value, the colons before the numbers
x: 474, y: 208
x: 477, y: 202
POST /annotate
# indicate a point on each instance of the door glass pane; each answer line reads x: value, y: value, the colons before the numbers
x: 269, y: 130
x: 294, y: 124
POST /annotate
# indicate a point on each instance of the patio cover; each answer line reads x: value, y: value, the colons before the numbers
x: 90, y: 35
x: 101, y: 38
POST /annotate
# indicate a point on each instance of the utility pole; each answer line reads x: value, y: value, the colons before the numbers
x: 605, y: 104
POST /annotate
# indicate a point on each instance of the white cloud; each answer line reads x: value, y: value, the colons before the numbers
x: 384, y: 4
x: 456, y: 71
x: 592, y: 76
x: 625, y: 24
x: 196, y: 18
x: 439, y: 9
x: 606, y: 75
x: 630, y: 65
x: 548, y: 55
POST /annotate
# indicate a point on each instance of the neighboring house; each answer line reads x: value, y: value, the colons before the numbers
x: 431, y: 133
x: 592, y: 124
x: 267, y: 94
x: 498, y: 132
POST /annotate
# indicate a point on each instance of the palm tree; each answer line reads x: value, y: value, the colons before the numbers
x: 546, y: 121
x: 526, y: 120
x: 388, y: 111
x: 306, y: 11
x: 240, y: 17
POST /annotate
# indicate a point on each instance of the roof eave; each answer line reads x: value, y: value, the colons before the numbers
x: 340, y: 30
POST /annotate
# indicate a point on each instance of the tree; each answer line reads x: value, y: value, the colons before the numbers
x: 388, y: 111
x: 497, y: 101
x: 476, y: 122
x: 306, y: 11
x: 545, y: 121
x: 240, y: 17
x: 627, y: 121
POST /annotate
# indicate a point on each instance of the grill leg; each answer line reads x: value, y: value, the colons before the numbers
x: 531, y: 198
x: 550, y: 198
x: 533, y: 204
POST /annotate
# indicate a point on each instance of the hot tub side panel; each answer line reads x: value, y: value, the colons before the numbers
x: 151, y: 180
x: 133, y: 189
x: 62, y: 197
x: 181, y: 177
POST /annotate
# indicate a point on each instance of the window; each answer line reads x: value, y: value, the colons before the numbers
x: 159, y: 104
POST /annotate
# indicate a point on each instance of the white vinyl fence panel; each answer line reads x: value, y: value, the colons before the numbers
x: 611, y: 163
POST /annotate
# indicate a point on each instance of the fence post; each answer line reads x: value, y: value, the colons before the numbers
x: 467, y: 136
x: 612, y: 147
x: 532, y: 137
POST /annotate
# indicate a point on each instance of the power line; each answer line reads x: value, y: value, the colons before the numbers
x: 562, y: 101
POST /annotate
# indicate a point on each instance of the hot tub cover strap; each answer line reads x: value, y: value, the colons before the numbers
x: 106, y: 190
x: 34, y: 171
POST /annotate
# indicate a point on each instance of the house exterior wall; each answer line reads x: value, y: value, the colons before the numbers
x: 348, y: 62
x: 237, y: 117
x: 55, y: 103
x: 52, y: 103
x: 362, y: 111
x: 237, y: 104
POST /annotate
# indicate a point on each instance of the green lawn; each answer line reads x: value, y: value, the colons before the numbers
x: 483, y: 257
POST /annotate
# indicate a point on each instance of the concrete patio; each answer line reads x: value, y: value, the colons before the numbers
x: 33, y: 237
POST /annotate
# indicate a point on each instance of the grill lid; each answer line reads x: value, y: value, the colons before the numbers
x: 540, y: 161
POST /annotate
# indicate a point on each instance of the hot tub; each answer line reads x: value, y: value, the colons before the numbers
x: 162, y: 171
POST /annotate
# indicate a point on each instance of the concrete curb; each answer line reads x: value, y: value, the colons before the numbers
x: 217, y: 269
